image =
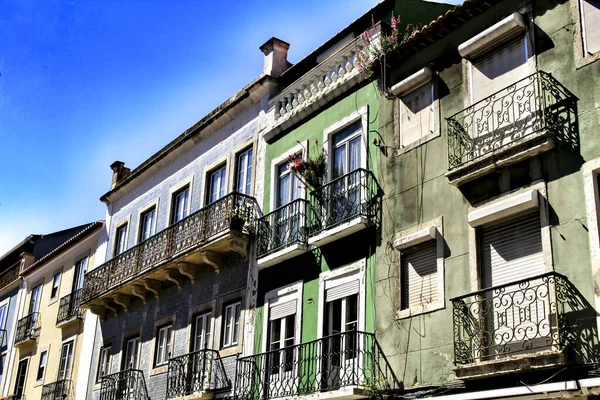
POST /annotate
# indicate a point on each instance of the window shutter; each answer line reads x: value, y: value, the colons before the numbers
x: 416, y: 113
x: 499, y: 70
x: 343, y: 290
x: 591, y: 24
x: 282, y: 309
x: 512, y: 250
x: 420, y: 275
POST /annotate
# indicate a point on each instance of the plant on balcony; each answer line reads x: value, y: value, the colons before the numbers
x: 373, y: 53
x: 311, y: 169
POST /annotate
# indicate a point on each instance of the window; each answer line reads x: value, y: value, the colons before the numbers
x: 590, y: 25
x: 130, y: 361
x: 218, y: 180
x: 55, y: 285
x: 288, y: 186
x: 121, y: 240
x: 34, y: 302
x: 42, y: 366
x: 181, y: 199
x: 66, y: 361
x: 3, y: 313
x: 417, y: 114
x: 419, y: 276
x: 244, y: 172
x: 231, y: 321
x: 21, y: 376
x: 346, y: 150
x: 163, y: 345
x: 103, y: 363
x: 147, y: 223
x: 80, y: 267
x: 202, y: 326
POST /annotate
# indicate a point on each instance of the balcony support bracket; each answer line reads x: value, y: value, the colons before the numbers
x: 240, y: 246
x: 213, y: 259
x: 122, y: 300
x: 152, y: 286
x: 99, y: 310
x: 110, y: 305
x: 139, y: 292
x: 187, y: 269
x: 175, y: 277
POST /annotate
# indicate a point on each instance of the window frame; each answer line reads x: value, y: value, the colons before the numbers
x: 175, y: 204
x: 123, y: 227
x: 166, y: 346
x: 591, y: 190
x: 223, y: 166
x: 249, y: 186
x: 276, y: 163
x: 41, y: 367
x: 55, y: 286
x: 70, y: 361
x: 194, y: 330
x: 582, y: 56
x: 227, y: 342
x: 142, y: 223
x: 294, y: 290
x: 104, y: 349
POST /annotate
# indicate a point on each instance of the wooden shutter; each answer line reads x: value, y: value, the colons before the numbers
x: 420, y: 275
x: 512, y: 250
x: 499, y: 70
x: 343, y: 290
x: 282, y: 309
x: 591, y: 24
x: 416, y: 114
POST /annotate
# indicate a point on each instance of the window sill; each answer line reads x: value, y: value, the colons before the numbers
x: 417, y: 143
x: 419, y: 310
x: 39, y: 383
x: 52, y: 300
x: 583, y: 61
x: 160, y: 369
x: 230, y: 350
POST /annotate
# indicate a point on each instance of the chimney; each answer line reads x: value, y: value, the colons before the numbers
x: 119, y: 172
x: 275, y: 52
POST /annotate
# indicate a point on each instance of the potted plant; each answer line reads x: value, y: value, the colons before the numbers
x: 311, y: 169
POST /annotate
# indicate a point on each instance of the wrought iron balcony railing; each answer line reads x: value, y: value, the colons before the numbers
x: 28, y: 328
x: 525, y: 108
x: 59, y: 390
x: 69, y: 307
x: 356, y: 194
x: 349, y: 359
x: 283, y: 227
x: 10, y: 275
x: 124, y: 385
x: 197, y: 372
x: 521, y: 317
x: 236, y: 211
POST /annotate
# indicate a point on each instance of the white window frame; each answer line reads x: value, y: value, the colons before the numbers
x: 188, y: 181
x: 591, y: 191
x: 582, y: 55
x: 408, y: 238
x: 71, y: 361
x: 435, y: 112
x: 117, y: 245
x: 228, y: 340
x: 238, y: 155
x: 209, y: 328
x: 141, y: 213
x: 508, y: 204
x: 104, y: 351
x: 276, y: 163
x: 125, y: 344
x: 54, y: 284
x: 355, y: 270
x: 362, y: 115
x: 288, y: 292
x: 40, y: 366
x: 163, y: 344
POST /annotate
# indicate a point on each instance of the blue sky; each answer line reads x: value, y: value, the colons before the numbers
x: 84, y: 83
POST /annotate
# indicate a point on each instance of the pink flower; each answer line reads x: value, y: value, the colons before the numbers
x: 372, y: 20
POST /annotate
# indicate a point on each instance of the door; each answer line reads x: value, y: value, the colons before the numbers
x: 66, y: 361
x: 130, y: 361
x: 282, y: 356
x: 516, y: 316
x: 20, y: 381
x: 80, y: 268
x: 343, y: 194
x: 127, y: 384
x: 34, y: 308
x: 340, y: 344
x: 287, y: 219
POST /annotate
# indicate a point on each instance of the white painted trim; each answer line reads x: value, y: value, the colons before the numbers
x: 122, y: 221
x: 353, y: 270
x: 361, y: 114
x: 302, y: 148
x: 154, y: 203
x: 492, y: 36
x: 207, y: 170
x: 474, y: 252
x: 431, y: 230
x: 292, y: 290
x: 504, y: 207
x: 182, y: 183
x: 544, y: 389
x: 413, y: 82
x: 589, y: 382
x: 591, y: 191
x: 235, y: 153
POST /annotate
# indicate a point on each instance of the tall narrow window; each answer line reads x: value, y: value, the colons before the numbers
x: 80, y: 267
x: 231, y: 324
x: 130, y: 361
x: 21, y: 376
x: 55, y: 286
x: 180, y: 203
x: 66, y: 361
x: 590, y: 25
x: 42, y: 366
x: 34, y: 302
x: 202, y: 325
x: 346, y: 150
x: 244, y: 172
x: 3, y: 311
x: 163, y: 345
x: 120, y: 240
x: 147, y: 223
x: 419, y: 276
x: 103, y: 363
x: 218, y: 180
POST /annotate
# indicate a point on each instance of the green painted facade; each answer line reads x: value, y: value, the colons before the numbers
x: 417, y: 190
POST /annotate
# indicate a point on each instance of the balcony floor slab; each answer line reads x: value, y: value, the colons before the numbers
x: 68, y: 322
x: 339, y: 231
x: 199, y: 396
x: 282, y: 255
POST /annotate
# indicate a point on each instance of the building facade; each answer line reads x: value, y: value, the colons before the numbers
x: 488, y: 284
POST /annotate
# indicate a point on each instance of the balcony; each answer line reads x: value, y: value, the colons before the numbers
x: 59, y: 390
x: 69, y: 310
x: 344, y: 365
x: 282, y: 234
x: 196, y: 375
x: 343, y: 206
x: 518, y: 122
x: 124, y: 385
x: 28, y: 329
x: 10, y: 275
x: 513, y: 326
x: 173, y: 254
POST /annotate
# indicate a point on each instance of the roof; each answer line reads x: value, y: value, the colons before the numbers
x: 14, y: 254
x: 51, y: 245
x: 190, y: 132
